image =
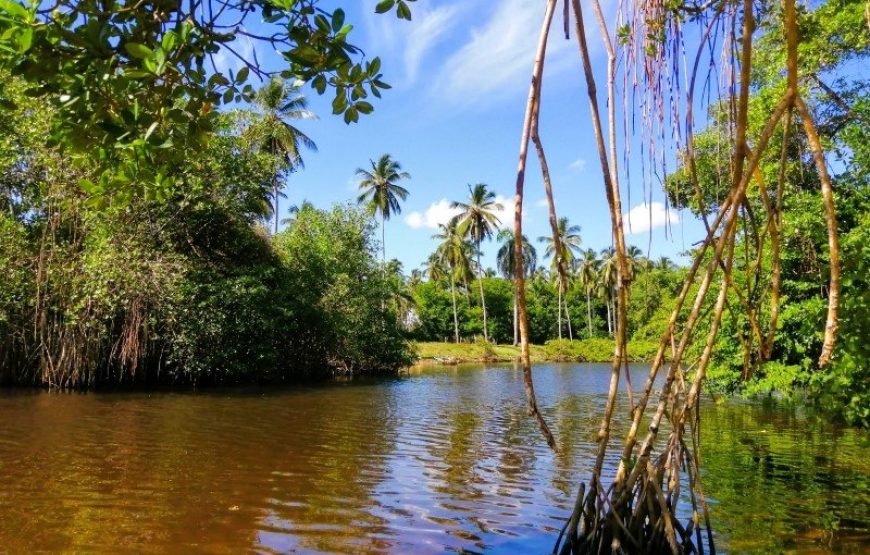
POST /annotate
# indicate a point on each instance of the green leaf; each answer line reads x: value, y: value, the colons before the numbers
x: 319, y: 84
x: 384, y: 6
x: 242, y: 76
x: 339, y: 104
x: 168, y: 42
x: 138, y: 50
x: 337, y: 19
x: 25, y: 39
x: 374, y: 67
x: 136, y: 74
x: 364, y: 107
x: 403, y: 11
x: 351, y: 115
x: 14, y: 9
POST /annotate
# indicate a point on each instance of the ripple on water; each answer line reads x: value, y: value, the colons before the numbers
x: 444, y: 461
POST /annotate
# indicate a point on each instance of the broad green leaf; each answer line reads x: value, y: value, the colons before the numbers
x: 384, y: 6
x: 14, y: 9
x: 403, y: 11
x: 242, y: 76
x: 337, y: 19
x: 138, y: 50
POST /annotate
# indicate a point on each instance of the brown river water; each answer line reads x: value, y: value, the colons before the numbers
x: 442, y: 460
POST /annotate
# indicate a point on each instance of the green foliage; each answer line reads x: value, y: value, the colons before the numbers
x: 136, y: 90
x: 596, y: 350
x: 186, y: 288
x: 833, y: 41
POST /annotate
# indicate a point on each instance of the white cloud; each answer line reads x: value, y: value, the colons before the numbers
x: 500, y: 53
x: 440, y: 213
x: 437, y: 213
x: 428, y: 29
x: 506, y: 214
x: 224, y: 60
x: 646, y: 216
x: 577, y: 165
x: 411, y: 41
x: 542, y: 203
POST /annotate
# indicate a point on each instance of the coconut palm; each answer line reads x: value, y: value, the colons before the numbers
x: 477, y: 221
x: 562, y: 249
x: 636, y: 260
x: 293, y: 212
x: 505, y: 260
x: 415, y: 278
x: 453, y: 252
x: 664, y: 263
x: 607, y: 278
x: 587, y: 274
x: 280, y: 102
x: 381, y: 194
x: 434, y: 268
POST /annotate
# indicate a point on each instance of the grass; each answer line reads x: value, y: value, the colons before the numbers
x: 583, y: 350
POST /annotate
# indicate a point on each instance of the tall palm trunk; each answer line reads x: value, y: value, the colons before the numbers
x: 568, y: 319
x: 516, y: 329
x: 609, y: 319
x: 383, y: 246
x: 275, y: 191
x: 559, y: 310
x: 482, y: 298
x: 589, y: 313
x: 455, y: 317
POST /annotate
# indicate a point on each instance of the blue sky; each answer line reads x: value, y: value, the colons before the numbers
x: 460, y: 73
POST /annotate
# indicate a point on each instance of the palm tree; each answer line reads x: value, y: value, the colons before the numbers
x: 587, y: 274
x: 280, y: 103
x: 607, y: 276
x: 452, y: 252
x: 415, y: 278
x: 506, y: 262
x: 477, y: 221
x: 665, y: 263
x: 381, y: 194
x: 293, y: 212
x: 636, y: 260
x: 562, y: 249
x: 434, y: 268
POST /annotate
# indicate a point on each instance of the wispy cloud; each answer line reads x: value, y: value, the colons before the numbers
x: 430, y: 28
x: 499, y: 54
x: 224, y: 60
x: 411, y: 41
x: 646, y: 216
x: 577, y: 165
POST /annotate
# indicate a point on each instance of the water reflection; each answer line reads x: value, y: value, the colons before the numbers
x: 444, y: 460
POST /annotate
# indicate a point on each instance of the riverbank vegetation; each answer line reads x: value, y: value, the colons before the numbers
x: 555, y: 350
x: 188, y: 287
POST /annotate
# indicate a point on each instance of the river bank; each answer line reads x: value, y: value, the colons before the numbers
x: 563, y: 350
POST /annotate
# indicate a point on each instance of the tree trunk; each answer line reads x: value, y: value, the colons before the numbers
x: 455, y: 317
x: 559, y: 310
x: 589, y: 313
x: 275, y: 191
x: 568, y: 319
x: 609, y: 321
x: 516, y: 330
x: 482, y: 297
